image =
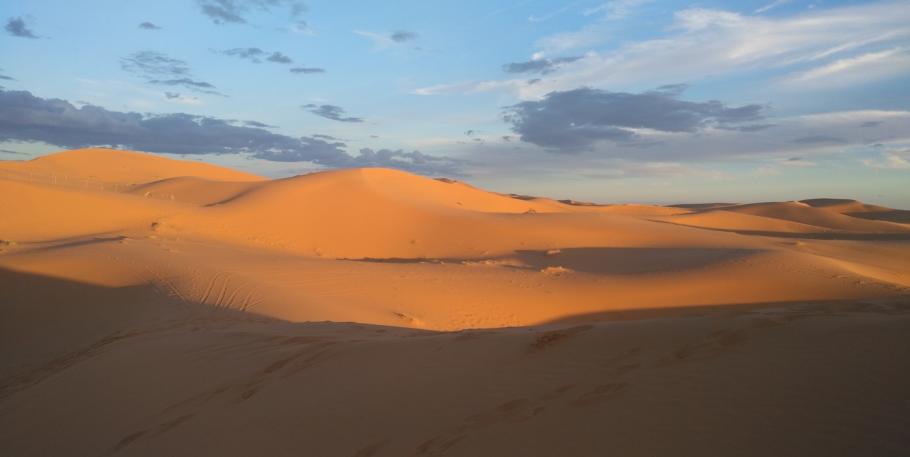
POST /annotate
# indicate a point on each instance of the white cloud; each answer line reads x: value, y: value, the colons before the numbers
x: 616, y: 9
x: 551, y: 14
x: 614, y: 169
x: 890, y: 160
x: 182, y: 99
x: 852, y: 70
x: 770, y: 6
x: 592, y: 34
x: 704, y: 42
x: 381, y: 41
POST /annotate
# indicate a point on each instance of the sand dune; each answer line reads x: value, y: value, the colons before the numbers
x: 809, y: 216
x: 108, y: 166
x: 40, y: 212
x: 806, y: 214
x: 861, y: 210
x: 149, y: 305
x: 191, y: 189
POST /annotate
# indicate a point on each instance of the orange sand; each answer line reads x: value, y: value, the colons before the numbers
x: 160, y: 307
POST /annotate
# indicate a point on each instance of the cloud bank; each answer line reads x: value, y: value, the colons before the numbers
x: 577, y: 119
x: 27, y: 118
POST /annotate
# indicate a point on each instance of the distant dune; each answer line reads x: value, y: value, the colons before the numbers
x: 160, y: 307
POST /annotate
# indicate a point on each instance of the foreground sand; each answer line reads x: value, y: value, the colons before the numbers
x: 158, y: 307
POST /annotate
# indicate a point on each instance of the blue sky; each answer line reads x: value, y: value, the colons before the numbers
x: 617, y: 101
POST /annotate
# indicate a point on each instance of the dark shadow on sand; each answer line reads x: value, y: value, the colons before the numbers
x: 596, y: 260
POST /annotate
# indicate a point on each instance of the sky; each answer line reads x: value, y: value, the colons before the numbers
x: 617, y: 101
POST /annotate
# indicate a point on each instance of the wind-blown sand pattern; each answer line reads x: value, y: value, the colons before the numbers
x: 159, y: 307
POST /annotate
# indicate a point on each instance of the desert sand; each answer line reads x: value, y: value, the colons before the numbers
x: 152, y: 307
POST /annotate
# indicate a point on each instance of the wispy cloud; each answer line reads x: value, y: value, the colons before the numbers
x: 236, y: 11
x: 705, y: 42
x: 388, y: 40
x: 307, y: 70
x: 616, y: 9
x: 772, y: 5
x: 182, y: 99
x: 333, y: 112
x: 147, y: 63
x: 552, y: 14
x: 890, y: 161
x: 539, y: 65
x: 160, y: 69
x: 852, y: 70
x: 257, y: 55
x: 400, y: 36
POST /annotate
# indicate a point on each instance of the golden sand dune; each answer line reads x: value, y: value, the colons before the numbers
x: 192, y: 189
x: 797, y: 217
x: 162, y: 307
x: 819, y: 217
x: 108, y: 166
x: 861, y: 210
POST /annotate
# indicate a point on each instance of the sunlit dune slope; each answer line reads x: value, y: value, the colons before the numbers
x: 191, y: 189
x: 861, y: 210
x: 729, y: 220
x: 100, y: 166
x: 386, y: 213
x: 819, y: 217
x: 823, y: 215
x: 41, y: 212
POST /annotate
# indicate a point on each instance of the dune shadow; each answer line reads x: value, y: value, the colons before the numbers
x: 893, y: 305
x: 629, y: 260
x: 71, y: 243
x: 896, y: 215
x: 594, y: 260
x: 700, y: 207
x: 835, y: 236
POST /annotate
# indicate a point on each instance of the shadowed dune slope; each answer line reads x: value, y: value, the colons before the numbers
x: 116, y: 371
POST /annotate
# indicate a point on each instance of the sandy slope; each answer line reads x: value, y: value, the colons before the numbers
x: 175, y: 309
x: 99, y: 165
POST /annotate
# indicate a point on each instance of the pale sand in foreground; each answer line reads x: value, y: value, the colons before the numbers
x: 160, y: 307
